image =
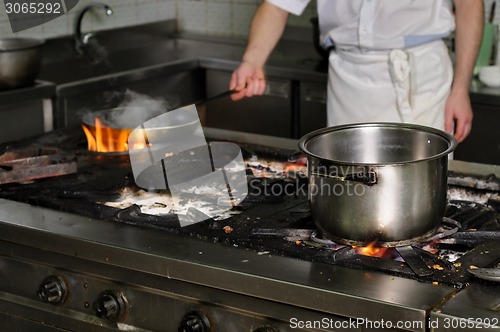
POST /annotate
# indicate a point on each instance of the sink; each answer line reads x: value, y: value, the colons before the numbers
x: 103, y: 62
x: 155, y: 64
x: 162, y: 68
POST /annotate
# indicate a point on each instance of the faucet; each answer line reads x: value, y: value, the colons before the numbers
x: 82, y: 41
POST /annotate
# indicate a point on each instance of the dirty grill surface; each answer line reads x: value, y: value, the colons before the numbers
x: 275, y: 217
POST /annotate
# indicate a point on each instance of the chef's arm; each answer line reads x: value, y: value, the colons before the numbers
x: 266, y: 29
x: 469, y: 18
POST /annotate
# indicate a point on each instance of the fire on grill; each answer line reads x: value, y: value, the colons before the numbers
x: 374, y: 251
x: 101, y: 138
x: 108, y: 130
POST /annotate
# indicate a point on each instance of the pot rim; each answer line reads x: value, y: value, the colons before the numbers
x: 87, y: 120
x: 452, y: 142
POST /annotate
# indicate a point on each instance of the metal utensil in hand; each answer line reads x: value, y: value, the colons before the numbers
x: 209, y: 99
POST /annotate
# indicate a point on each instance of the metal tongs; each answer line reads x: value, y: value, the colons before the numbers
x: 491, y: 274
x: 220, y: 95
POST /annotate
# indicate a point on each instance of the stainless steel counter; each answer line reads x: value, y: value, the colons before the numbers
x: 329, y: 289
x: 155, y: 270
x: 40, y: 90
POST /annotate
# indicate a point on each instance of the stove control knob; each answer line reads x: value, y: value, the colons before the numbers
x: 110, y: 305
x: 52, y: 290
x: 194, y: 321
x: 266, y: 329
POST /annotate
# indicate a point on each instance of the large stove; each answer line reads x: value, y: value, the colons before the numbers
x: 82, y: 248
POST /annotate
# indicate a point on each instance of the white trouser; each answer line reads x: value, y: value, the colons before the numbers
x: 409, y: 85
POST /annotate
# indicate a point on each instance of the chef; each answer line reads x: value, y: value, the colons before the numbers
x: 389, y: 61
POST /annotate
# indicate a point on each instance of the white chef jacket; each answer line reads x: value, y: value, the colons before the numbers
x: 390, y: 63
x: 372, y: 24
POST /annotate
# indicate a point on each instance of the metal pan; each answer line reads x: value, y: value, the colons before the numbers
x: 175, y: 125
x: 108, y: 117
x: 115, y: 133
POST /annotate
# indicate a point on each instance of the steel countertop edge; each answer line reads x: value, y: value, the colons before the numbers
x: 323, y: 287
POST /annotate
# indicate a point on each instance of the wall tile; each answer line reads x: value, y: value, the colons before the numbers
x: 56, y: 27
x: 70, y: 21
x: 167, y: 10
x: 35, y: 32
x: 147, y: 11
x: 219, y: 18
x: 253, y: 2
x: 118, y: 3
x: 231, y: 15
x: 5, y: 30
x: 192, y: 16
x: 241, y: 15
x: 96, y: 19
x: 125, y: 13
x: 3, y: 14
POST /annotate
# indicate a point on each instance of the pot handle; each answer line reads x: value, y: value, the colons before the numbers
x: 368, y: 177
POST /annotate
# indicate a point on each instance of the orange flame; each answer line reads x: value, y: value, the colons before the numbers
x: 373, y: 251
x: 297, y: 168
x: 106, y: 139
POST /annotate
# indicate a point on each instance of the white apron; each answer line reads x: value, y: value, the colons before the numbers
x: 409, y: 86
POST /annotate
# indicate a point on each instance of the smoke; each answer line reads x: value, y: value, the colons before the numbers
x: 137, y: 108
x: 97, y: 53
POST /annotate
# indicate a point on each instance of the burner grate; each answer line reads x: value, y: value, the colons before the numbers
x: 443, y: 258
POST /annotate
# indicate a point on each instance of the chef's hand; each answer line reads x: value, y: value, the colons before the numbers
x: 458, y: 108
x: 249, y: 80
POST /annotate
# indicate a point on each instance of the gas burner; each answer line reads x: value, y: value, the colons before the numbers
x: 468, y: 236
x: 442, y: 258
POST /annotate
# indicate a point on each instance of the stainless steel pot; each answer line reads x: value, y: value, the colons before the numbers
x: 383, y: 182
x: 20, y: 60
